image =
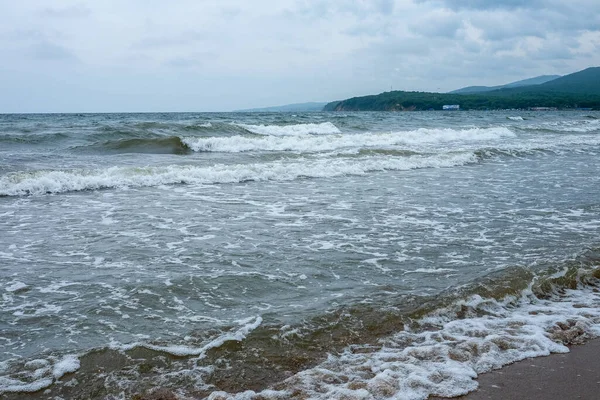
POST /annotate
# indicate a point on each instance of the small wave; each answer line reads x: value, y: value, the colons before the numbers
x: 442, y: 352
x: 165, y: 145
x: 580, y: 126
x: 292, y: 130
x: 53, y: 181
x: 517, y: 118
x: 432, y: 270
x: 34, y: 138
x: 240, y: 334
x: 198, y: 127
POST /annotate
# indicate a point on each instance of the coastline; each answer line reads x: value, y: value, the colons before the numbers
x: 573, y: 375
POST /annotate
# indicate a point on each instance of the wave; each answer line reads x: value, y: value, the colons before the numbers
x: 440, y: 348
x: 292, y: 130
x: 309, y: 143
x: 60, y: 181
x: 577, y: 126
x: 408, y: 347
x: 161, y: 145
x: 33, y: 138
x: 442, y: 354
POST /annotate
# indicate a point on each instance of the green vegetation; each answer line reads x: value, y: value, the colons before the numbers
x: 526, y: 82
x: 578, y: 90
x: 409, y: 101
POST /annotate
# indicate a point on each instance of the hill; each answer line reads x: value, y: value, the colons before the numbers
x: 577, y: 90
x: 298, y: 107
x: 525, y: 82
x: 583, y: 82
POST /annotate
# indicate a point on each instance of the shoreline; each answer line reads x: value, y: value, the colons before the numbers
x: 573, y: 375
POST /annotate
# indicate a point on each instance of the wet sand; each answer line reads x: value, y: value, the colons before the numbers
x: 574, y: 375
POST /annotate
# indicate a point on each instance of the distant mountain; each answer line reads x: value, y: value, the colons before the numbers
x: 578, y: 90
x: 538, y: 80
x: 298, y: 107
x: 582, y: 82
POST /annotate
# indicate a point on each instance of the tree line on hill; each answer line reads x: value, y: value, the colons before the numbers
x: 578, y: 90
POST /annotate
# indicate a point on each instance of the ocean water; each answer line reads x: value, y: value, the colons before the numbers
x: 276, y: 255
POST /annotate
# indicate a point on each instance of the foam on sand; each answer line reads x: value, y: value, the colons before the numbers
x: 240, y: 334
x: 444, y: 352
x: 43, y: 374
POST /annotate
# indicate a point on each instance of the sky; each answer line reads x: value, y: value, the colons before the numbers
x: 221, y: 55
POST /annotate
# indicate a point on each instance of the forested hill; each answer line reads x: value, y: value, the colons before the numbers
x: 582, y: 82
x: 578, y: 90
x: 525, y: 82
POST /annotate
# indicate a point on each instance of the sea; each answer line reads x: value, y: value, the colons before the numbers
x: 373, y: 255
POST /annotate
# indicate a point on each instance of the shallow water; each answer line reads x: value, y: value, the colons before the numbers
x: 230, y: 252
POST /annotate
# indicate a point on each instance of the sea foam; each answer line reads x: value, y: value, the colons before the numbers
x: 43, y: 182
x: 457, y: 344
x: 293, y: 130
x: 311, y: 143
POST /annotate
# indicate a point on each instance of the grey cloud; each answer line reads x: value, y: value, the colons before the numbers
x: 362, y: 30
x: 437, y: 25
x: 75, y: 11
x: 183, y: 39
x: 231, y: 12
x: 51, y: 52
x: 327, y: 8
x: 192, y: 61
x: 229, y: 51
x: 183, y: 62
x: 487, y: 4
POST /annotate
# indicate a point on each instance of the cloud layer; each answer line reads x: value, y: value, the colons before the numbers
x: 215, y: 55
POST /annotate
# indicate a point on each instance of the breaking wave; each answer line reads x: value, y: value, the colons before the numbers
x: 577, y: 126
x: 310, y: 143
x: 59, y: 181
x: 292, y: 130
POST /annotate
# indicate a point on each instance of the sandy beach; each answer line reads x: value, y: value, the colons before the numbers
x: 574, y: 375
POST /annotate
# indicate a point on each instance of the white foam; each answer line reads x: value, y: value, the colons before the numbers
x: 417, y: 363
x: 432, y: 270
x: 181, y: 350
x: 579, y: 126
x: 15, y: 286
x: 44, y: 374
x: 517, y: 118
x: 67, y: 364
x: 41, y: 182
x: 311, y: 144
x: 8, y: 385
x: 294, y: 130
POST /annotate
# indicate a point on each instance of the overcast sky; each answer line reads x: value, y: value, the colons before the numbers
x: 219, y: 55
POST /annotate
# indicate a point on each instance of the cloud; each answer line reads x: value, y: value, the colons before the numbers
x: 181, y: 39
x: 487, y: 4
x: 74, y: 11
x: 48, y: 51
x: 240, y: 54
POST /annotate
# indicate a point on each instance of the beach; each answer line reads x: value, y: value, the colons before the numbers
x: 573, y: 375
